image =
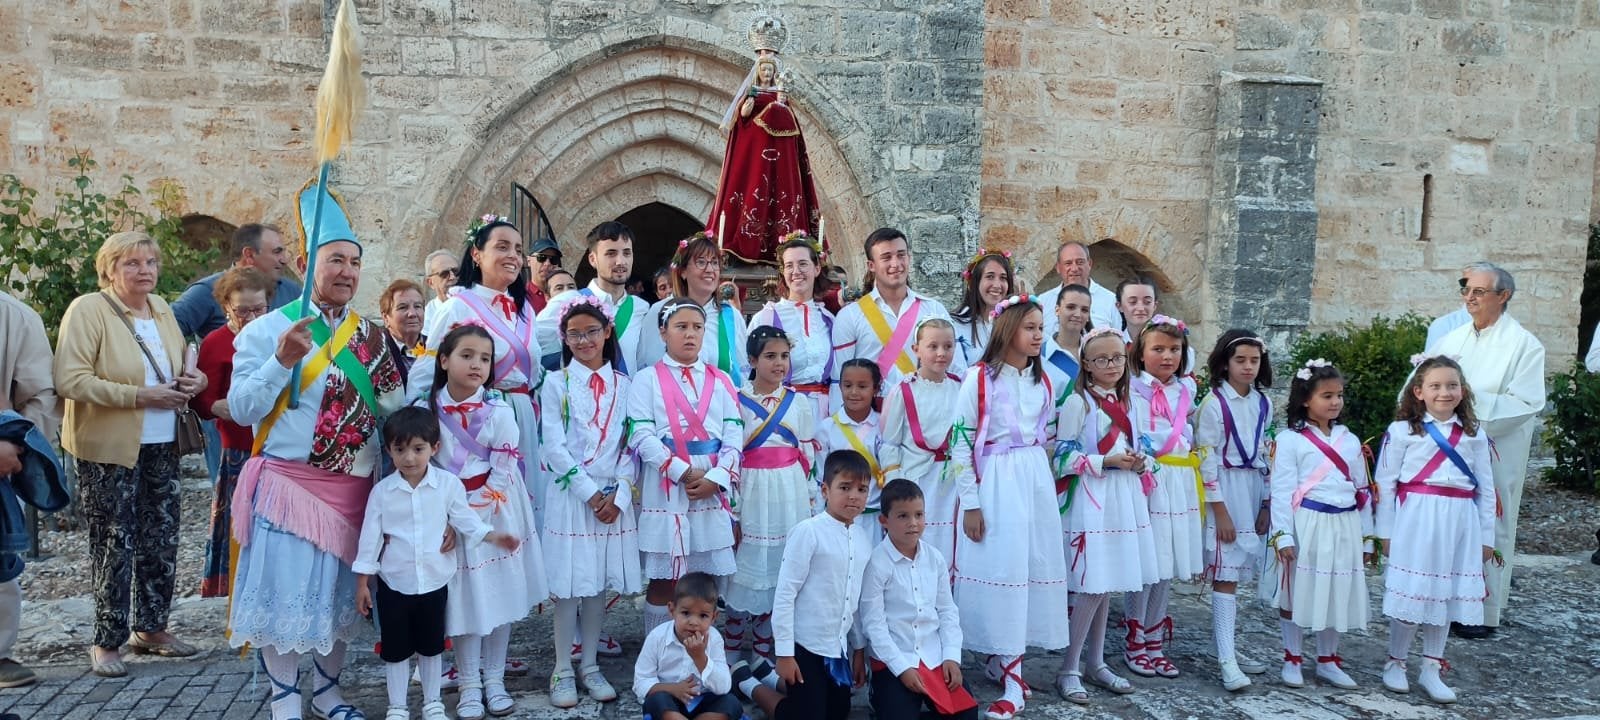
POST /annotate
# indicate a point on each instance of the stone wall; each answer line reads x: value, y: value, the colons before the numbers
x: 596, y: 106
x: 1107, y: 108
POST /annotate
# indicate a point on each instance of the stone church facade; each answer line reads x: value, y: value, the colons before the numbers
x: 1277, y: 164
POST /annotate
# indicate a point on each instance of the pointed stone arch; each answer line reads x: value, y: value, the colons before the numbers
x: 629, y: 118
x: 1124, y: 242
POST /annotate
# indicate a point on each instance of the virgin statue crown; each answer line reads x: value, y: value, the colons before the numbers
x: 767, y: 32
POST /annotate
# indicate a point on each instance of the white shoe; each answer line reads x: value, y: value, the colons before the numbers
x: 595, y: 682
x: 434, y: 711
x: 1330, y: 672
x: 1070, y: 685
x: 1394, y: 676
x: 1432, y: 684
x: 499, y: 701
x: 1292, y: 676
x: 397, y: 713
x: 1233, y: 679
x: 1250, y: 666
x: 469, y: 705
x: 563, y: 690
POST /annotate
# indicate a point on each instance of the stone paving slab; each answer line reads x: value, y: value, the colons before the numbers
x: 1544, y: 664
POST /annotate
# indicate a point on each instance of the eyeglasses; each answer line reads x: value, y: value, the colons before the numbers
x: 1109, y: 361
x: 574, y: 337
x: 446, y: 273
x: 1478, y: 292
x: 705, y: 263
x: 252, y: 311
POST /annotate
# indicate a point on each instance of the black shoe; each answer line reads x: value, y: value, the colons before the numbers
x: 1471, y: 632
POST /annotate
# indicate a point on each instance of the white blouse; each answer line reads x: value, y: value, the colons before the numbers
x: 1211, y: 437
x: 1296, y: 462
x: 584, y: 429
x: 936, y: 404
x: 1019, y: 413
x: 810, y: 331
x: 1404, y: 456
x: 455, y: 311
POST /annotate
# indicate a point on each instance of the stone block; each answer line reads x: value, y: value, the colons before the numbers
x: 229, y: 55
x: 1002, y: 48
x: 427, y: 56
x: 91, y: 51
x: 403, y: 92
x: 949, y: 126
x: 130, y: 16
x: 507, y: 19
x: 220, y: 127
x: 882, y: 35
x: 572, y: 18
x: 19, y: 84
x: 1553, y: 12
x: 1381, y: 32
x: 1441, y: 9
x: 168, y: 86
x: 242, y: 17
x: 160, y: 52
x: 1400, y: 7
x: 961, y: 82
x: 913, y: 83
x: 426, y: 17
x: 308, y: 56
x: 267, y: 90
x: 1473, y: 39
x: 147, y: 123
x: 505, y: 58
x: 1015, y: 11
x: 1262, y: 32
x: 954, y: 34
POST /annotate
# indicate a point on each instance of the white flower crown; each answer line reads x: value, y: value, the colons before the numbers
x: 1304, y: 373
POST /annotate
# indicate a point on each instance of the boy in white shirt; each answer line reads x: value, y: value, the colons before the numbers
x: 682, y: 671
x: 408, y: 513
x: 910, y: 618
x: 814, y: 607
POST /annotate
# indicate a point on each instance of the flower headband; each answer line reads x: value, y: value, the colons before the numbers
x: 1165, y: 320
x: 976, y: 259
x: 489, y: 218
x: 1014, y: 300
x: 678, y: 260
x: 803, y: 236
x: 1097, y: 332
x: 1304, y: 373
x: 567, y: 306
x: 1418, y: 359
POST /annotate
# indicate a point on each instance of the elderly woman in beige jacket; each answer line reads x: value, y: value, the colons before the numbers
x: 121, y: 427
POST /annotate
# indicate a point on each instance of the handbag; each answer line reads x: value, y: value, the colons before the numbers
x: 189, y: 437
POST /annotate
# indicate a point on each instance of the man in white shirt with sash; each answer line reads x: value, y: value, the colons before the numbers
x: 300, y: 500
x: 1504, y: 366
x: 880, y: 325
x: 611, y: 255
x: 1073, y: 266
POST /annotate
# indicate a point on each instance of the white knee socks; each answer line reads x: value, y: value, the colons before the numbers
x: 1086, y: 610
x: 1327, y: 643
x: 1133, y: 611
x: 1400, y: 635
x: 495, y: 645
x: 469, y: 659
x: 1292, y: 635
x: 1224, y: 617
x: 397, y: 678
x: 566, y: 625
x: 284, y: 669
x: 590, y: 620
x: 1155, y: 607
x: 654, y: 615
x: 1433, y: 637
x: 432, y: 670
x: 1012, y: 690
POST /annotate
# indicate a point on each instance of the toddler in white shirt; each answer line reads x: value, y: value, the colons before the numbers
x: 408, y: 514
x: 682, y: 671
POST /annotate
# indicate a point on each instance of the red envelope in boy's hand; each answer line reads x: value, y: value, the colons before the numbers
x: 945, y: 700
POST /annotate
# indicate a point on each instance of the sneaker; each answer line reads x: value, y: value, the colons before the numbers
x: 434, y: 711
x: 397, y: 713
x: 15, y: 674
x: 595, y: 682
x: 1394, y: 676
x: 1233, y: 679
x: 563, y: 690
x: 1250, y: 666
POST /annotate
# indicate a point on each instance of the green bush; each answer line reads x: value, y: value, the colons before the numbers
x: 1571, y: 431
x: 1375, y: 360
x: 48, y: 259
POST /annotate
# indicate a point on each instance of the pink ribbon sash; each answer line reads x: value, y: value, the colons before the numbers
x: 323, y: 508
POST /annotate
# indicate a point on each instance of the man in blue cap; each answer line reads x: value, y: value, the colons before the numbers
x: 298, y: 508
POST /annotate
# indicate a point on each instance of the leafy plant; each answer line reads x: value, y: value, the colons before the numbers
x: 47, y: 257
x: 1375, y: 359
x: 1571, y: 432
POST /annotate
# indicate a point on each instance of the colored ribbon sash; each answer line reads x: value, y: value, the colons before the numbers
x: 687, y: 422
x: 520, y: 358
x: 940, y: 453
x: 827, y: 369
x: 467, y: 445
x: 1248, y: 458
x: 1323, y: 507
x: 773, y: 458
x: 1447, y: 449
x: 1192, y: 461
x: 1177, y: 421
x: 317, y: 363
x: 1120, y: 423
x: 1333, y: 461
x: 851, y: 437
x: 893, y: 354
x: 727, y: 356
x: 1422, y: 488
x: 1069, y: 367
x: 756, y: 455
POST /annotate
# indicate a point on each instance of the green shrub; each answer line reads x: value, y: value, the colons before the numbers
x: 1375, y: 360
x: 48, y: 259
x: 1571, y: 431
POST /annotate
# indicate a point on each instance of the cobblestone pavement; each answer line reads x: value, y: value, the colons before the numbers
x: 1544, y: 663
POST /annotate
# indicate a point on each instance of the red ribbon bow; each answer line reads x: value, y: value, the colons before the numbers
x: 463, y: 410
x: 506, y: 305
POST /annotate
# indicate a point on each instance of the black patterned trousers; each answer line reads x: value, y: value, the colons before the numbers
x: 132, y: 514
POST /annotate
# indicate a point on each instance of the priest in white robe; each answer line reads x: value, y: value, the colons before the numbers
x: 1504, y: 366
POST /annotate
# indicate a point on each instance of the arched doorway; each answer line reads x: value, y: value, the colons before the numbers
x: 657, y: 227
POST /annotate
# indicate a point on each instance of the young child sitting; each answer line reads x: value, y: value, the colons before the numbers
x: 407, y: 514
x: 910, y: 618
x: 682, y: 671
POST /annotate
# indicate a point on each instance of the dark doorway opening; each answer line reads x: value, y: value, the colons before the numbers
x: 657, y: 228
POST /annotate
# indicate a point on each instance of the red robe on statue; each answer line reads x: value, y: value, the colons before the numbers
x: 766, y: 190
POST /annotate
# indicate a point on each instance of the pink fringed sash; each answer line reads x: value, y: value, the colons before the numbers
x: 321, y: 507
